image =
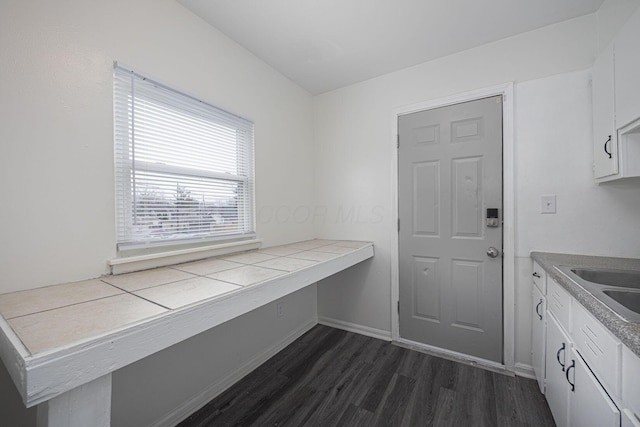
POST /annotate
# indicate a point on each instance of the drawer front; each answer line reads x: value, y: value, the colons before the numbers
x: 599, y: 348
x: 631, y: 381
x: 559, y: 303
x: 539, y: 278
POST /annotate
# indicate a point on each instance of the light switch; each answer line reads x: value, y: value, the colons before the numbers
x: 548, y: 204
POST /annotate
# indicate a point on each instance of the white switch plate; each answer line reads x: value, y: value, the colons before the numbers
x: 548, y: 204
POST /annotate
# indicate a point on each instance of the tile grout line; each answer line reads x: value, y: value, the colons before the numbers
x: 67, y: 305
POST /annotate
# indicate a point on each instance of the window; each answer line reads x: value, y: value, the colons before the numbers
x: 184, y: 168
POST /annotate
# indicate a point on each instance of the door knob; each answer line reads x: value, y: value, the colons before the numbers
x: 493, y: 252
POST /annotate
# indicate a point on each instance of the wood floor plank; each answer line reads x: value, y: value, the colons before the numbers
x: 475, y: 399
x: 338, y: 401
x: 444, y: 415
x: 392, y: 407
x: 356, y: 417
x: 330, y: 377
x: 434, y: 374
x: 384, y: 370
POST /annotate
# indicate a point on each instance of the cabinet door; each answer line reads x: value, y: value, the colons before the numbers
x: 557, y: 355
x: 627, y: 72
x: 629, y: 419
x: 538, y: 316
x: 589, y: 404
x: 605, y: 147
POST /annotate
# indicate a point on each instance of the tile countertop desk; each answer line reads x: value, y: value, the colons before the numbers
x: 61, y: 343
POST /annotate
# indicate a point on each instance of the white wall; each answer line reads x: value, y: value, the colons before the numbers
x: 56, y: 162
x: 354, y: 144
x: 554, y: 153
x: 56, y: 133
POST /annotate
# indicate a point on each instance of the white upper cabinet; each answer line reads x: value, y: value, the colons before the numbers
x: 616, y: 106
x: 605, y: 146
x: 627, y: 72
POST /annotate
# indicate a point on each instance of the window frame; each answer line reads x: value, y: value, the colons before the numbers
x: 127, y: 166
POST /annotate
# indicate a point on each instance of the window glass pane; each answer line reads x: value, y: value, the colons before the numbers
x: 184, y: 169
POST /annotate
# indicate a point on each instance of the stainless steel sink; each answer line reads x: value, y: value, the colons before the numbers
x: 617, y: 289
x: 629, y: 299
x: 618, y: 278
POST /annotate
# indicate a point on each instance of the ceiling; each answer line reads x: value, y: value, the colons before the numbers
x: 327, y: 44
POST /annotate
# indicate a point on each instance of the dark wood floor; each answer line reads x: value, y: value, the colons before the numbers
x: 330, y: 377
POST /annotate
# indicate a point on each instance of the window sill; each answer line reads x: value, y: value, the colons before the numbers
x: 161, y: 259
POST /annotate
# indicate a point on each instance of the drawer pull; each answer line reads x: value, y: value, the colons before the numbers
x: 573, y: 366
x: 538, y: 306
x: 558, y: 356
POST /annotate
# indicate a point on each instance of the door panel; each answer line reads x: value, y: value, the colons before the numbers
x: 426, y: 215
x: 449, y: 173
x: 467, y: 197
x: 467, y: 280
x: 426, y: 295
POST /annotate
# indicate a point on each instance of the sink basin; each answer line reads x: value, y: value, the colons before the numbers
x: 619, y: 278
x: 617, y: 289
x: 629, y: 299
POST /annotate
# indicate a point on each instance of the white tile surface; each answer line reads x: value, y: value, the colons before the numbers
x: 247, y: 275
x: 334, y: 249
x: 287, y: 264
x: 207, y: 266
x: 315, y: 256
x: 308, y: 244
x: 63, y: 326
x: 185, y: 292
x: 280, y: 250
x: 252, y: 257
x: 324, y: 241
x: 36, y: 300
x: 145, y: 279
x: 351, y: 244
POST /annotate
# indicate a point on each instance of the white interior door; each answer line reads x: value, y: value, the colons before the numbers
x: 450, y: 258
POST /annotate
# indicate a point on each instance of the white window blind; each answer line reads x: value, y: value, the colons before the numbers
x: 184, y: 168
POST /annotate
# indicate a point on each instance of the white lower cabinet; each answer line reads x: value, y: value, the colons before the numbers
x: 589, y: 378
x: 538, y: 318
x: 589, y: 404
x: 630, y: 388
x: 557, y: 386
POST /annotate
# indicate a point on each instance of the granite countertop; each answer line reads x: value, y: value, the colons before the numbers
x: 627, y: 332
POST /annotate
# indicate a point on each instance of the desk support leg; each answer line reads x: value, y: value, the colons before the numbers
x: 87, y: 405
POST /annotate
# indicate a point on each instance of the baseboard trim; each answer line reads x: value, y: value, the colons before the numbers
x: 489, y: 365
x: 524, y: 370
x: 201, y: 399
x: 355, y: 328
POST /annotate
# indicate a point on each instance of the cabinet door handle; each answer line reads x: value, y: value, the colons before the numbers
x: 558, y: 356
x: 535, y: 274
x: 605, y: 146
x: 538, y: 306
x: 573, y: 366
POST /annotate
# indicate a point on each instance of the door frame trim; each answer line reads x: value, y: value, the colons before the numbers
x: 508, y: 194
